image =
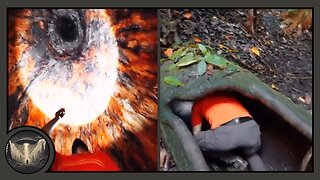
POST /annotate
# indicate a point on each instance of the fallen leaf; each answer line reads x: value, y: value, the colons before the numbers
x: 256, y: 51
x: 172, y: 67
x: 197, y: 40
x: 209, y: 47
x: 221, y: 46
x: 187, y: 60
x: 215, y: 60
x: 282, y: 26
x: 168, y: 52
x: 297, y: 19
x: 200, y: 58
x: 202, y: 67
x: 178, y: 53
x: 301, y: 99
x: 173, y: 81
x: 231, y: 68
x: 228, y: 49
x: 268, y: 42
x: 299, y: 32
x: 187, y: 15
x: 202, y: 48
x: 233, y: 51
x: 308, y: 99
x: 210, y: 69
x: 274, y: 87
x: 234, y: 56
x: 228, y: 37
x: 163, y: 60
x: 41, y: 24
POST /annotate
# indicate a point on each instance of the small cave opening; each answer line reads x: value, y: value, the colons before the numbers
x: 66, y: 28
x: 283, y: 147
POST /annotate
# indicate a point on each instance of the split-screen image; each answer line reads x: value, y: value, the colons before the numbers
x: 93, y: 90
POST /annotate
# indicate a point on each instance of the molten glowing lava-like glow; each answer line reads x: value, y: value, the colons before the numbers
x: 83, y: 87
x: 106, y: 81
x: 82, y: 107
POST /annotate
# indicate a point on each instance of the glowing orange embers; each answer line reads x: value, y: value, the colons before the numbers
x: 100, y: 65
x: 84, y: 85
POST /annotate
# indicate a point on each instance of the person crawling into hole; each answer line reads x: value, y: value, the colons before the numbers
x: 81, y: 159
x: 232, y: 129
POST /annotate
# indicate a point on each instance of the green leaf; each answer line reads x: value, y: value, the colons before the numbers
x: 178, y: 53
x: 173, y: 81
x: 201, y: 58
x: 209, y: 47
x: 216, y: 60
x: 176, y: 45
x: 202, y: 67
x: 185, y: 52
x: 202, y: 48
x: 231, y: 68
x: 172, y: 67
x: 162, y: 60
x: 187, y: 60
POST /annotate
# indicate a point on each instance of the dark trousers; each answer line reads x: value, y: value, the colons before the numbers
x: 227, y: 138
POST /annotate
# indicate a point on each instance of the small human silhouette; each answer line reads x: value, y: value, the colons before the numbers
x: 81, y: 158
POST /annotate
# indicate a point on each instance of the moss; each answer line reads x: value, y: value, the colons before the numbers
x: 195, y: 86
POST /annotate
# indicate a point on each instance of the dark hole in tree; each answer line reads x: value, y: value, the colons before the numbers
x: 67, y: 29
x: 282, y: 146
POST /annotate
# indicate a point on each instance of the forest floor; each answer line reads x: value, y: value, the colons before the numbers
x: 283, y: 61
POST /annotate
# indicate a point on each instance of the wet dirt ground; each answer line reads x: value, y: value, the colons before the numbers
x: 285, y: 61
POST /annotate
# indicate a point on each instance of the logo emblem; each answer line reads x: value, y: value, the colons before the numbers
x: 28, y: 150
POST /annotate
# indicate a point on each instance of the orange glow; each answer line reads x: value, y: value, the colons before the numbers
x: 112, y: 107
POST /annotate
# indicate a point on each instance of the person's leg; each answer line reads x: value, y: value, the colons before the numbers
x: 218, y: 141
x: 255, y: 162
x: 202, y: 140
x: 221, y: 141
x: 218, y: 145
x: 251, y: 144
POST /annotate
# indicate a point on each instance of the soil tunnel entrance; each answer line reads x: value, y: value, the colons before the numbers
x: 283, y: 147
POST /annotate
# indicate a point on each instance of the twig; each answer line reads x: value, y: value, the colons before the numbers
x: 217, y: 12
x: 306, y: 77
x: 238, y: 61
x: 166, y: 162
x: 162, y: 157
x: 169, y: 13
